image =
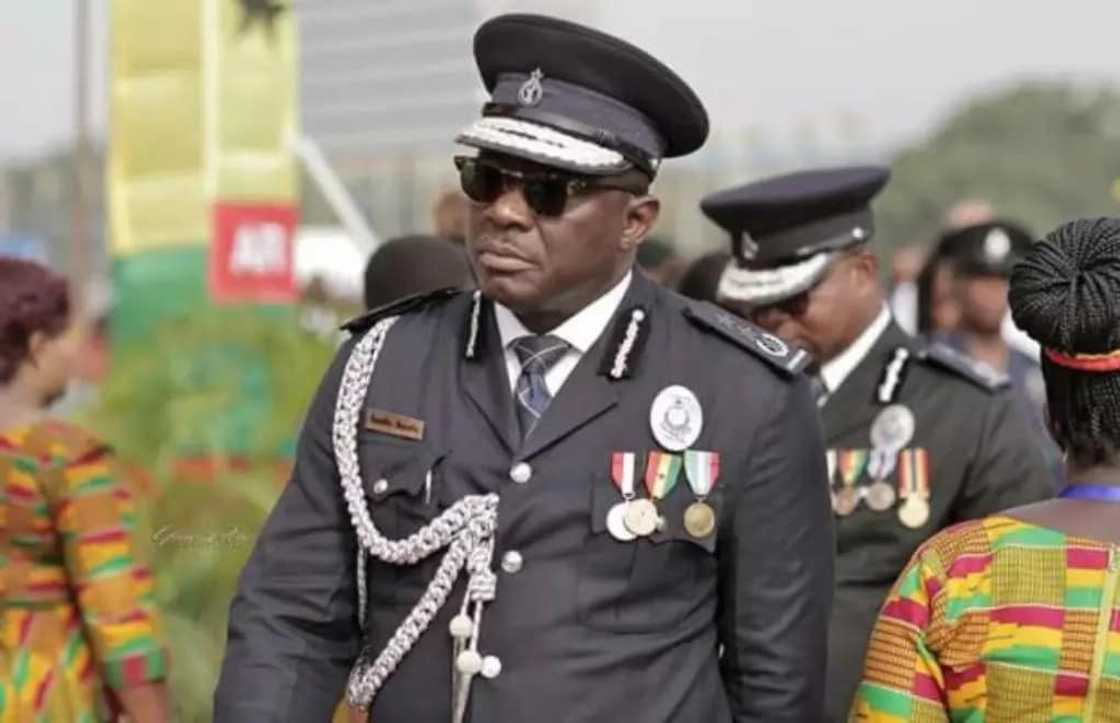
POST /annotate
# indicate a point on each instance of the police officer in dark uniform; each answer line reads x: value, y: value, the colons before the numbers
x: 981, y: 257
x: 569, y: 496
x: 918, y: 438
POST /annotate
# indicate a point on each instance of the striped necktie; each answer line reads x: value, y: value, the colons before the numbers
x: 537, y: 355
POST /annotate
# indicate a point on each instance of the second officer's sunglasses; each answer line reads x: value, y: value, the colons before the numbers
x: 547, y: 192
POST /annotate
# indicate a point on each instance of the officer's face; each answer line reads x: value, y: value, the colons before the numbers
x: 552, y: 266
x: 945, y: 310
x: 983, y: 302
x: 830, y: 316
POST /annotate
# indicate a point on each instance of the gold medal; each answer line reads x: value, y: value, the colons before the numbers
x: 880, y: 496
x: 845, y: 501
x: 914, y: 512
x: 700, y: 519
x: 640, y: 517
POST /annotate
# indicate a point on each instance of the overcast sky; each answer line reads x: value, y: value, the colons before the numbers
x: 892, y: 68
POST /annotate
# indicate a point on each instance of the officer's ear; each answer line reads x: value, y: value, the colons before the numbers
x: 641, y: 215
x: 865, y: 265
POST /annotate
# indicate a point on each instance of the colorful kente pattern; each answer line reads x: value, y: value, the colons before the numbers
x: 77, y: 617
x: 998, y: 621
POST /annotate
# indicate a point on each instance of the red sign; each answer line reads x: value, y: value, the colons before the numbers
x: 252, y: 257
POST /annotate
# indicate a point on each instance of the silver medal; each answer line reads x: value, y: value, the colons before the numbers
x: 616, y: 524
x: 676, y: 418
x: 893, y: 428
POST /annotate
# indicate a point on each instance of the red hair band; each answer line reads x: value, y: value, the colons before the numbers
x: 1109, y: 362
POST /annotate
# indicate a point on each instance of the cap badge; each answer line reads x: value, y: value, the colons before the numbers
x: 997, y: 244
x: 531, y: 91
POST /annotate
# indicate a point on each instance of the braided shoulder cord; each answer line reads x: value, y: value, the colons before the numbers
x: 466, y: 529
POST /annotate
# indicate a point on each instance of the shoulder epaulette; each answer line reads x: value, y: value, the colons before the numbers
x: 744, y: 334
x: 978, y: 373
x: 398, y: 307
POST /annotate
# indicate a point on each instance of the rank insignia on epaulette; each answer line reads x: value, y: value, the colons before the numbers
x: 748, y: 336
x: 975, y: 371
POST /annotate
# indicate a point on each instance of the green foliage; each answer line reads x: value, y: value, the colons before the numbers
x: 221, y: 381
x: 217, y: 383
x: 1042, y: 153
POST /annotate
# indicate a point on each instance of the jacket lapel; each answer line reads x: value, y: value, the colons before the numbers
x: 486, y: 380
x: 854, y: 404
x: 588, y: 392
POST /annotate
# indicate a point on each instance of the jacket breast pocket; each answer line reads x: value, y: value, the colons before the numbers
x: 405, y: 490
x: 651, y: 583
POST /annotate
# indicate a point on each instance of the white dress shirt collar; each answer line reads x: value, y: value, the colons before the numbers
x: 834, y: 373
x: 581, y: 330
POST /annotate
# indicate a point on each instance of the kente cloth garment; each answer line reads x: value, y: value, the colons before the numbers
x: 998, y: 621
x: 77, y: 616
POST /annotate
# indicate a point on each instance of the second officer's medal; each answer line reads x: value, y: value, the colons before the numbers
x: 623, y: 475
x: 702, y: 471
x: 913, y: 487
x: 851, y: 464
x: 879, y: 495
x: 914, y: 512
x: 676, y: 418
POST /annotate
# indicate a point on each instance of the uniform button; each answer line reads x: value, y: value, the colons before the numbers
x: 521, y: 473
x: 381, y: 486
x: 512, y: 562
x: 491, y: 666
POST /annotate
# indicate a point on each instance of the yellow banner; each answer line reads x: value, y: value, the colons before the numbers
x: 202, y: 108
x: 251, y: 100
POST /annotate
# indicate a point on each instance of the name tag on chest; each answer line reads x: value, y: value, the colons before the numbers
x: 394, y: 425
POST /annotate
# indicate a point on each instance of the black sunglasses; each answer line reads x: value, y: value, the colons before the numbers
x: 546, y: 192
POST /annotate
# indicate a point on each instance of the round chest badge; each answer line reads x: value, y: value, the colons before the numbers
x: 676, y: 418
x: 893, y: 428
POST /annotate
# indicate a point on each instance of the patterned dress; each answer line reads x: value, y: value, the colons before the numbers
x: 998, y: 621
x: 76, y: 608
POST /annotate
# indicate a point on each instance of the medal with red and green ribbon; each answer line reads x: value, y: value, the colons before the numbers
x: 662, y: 471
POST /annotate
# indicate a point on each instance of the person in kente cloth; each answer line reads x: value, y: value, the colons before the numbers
x: 917, y: 437
x: 569, y: 496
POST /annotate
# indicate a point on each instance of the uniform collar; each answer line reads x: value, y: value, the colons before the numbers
x: 581, y: 330
x: 833, y: 373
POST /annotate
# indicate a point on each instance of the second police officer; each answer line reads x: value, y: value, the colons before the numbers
x: 918, y: 437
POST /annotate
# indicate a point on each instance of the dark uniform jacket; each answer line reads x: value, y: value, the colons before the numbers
x: 983, y: 457
x: 589, y: 628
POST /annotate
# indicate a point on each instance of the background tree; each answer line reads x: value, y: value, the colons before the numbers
x: 1039, y: 152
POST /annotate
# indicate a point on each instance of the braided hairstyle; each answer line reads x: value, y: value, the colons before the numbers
x: 1065, y: 294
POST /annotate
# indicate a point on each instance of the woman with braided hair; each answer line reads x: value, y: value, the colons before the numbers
x: 1016, y: 616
